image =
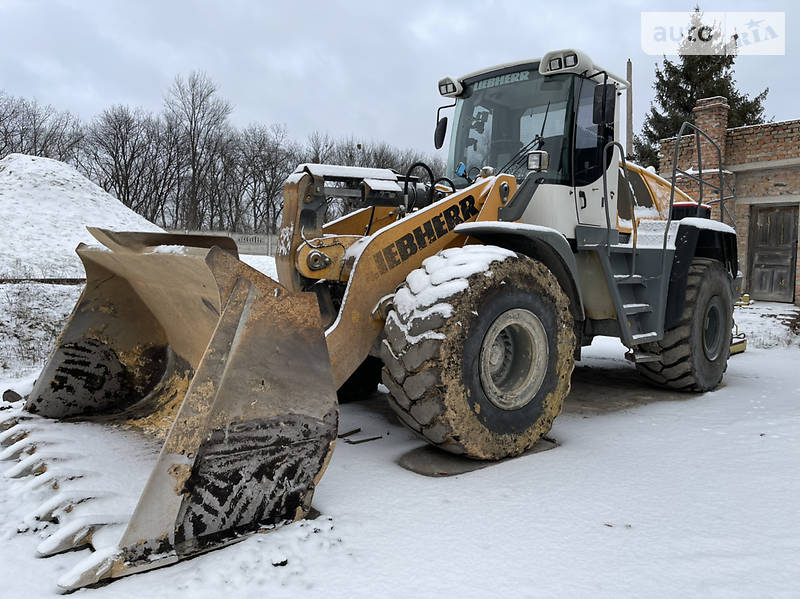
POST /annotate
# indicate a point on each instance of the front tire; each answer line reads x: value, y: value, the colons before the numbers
x: 694, y: 354
x: 479, y: 351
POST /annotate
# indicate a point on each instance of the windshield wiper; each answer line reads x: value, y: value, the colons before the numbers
x: 538, y: 139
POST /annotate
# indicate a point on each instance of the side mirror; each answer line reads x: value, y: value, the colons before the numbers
x: 608, y: 90
x: 441, y: 129
x: 538, y: 160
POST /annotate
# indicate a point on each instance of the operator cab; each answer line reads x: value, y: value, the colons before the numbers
x: 560, y: 104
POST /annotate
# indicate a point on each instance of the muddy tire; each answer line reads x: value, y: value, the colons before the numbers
x: 694, y: 354
x: 479, y: 351
x: 363, y: 382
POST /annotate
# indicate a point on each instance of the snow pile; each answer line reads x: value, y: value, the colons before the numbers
x: 445, y: 274
x: 650, y: 233
x: 179, y: 250
x: 46, y: 206
x: 646, y: 212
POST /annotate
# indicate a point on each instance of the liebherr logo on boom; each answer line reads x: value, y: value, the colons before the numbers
x: 425, y: 234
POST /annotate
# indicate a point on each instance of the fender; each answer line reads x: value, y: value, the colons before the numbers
x: 698, y: 238
x: 542, y: 243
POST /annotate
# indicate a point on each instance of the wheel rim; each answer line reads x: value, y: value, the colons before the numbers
x: 713, y: 329
x: 513, y: 359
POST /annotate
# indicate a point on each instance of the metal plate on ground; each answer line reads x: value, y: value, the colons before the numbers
x: 430, y: 461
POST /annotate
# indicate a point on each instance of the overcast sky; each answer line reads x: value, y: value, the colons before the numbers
x: 364, y: 68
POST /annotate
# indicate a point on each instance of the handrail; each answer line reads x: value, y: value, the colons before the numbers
x: 720, y: 189
x: 609, y: 144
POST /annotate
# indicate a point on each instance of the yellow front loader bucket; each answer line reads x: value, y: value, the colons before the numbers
x: 177, y: 339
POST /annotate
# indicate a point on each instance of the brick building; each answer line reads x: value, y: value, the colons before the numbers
x: 762, y: 165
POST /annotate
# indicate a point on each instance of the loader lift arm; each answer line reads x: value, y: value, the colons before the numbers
x: 371, y: 267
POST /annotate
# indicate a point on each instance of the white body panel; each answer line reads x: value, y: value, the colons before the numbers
x: 552, y: 206
x: 594, y: 212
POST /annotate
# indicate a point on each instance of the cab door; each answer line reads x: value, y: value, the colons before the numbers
x: 589, y: 139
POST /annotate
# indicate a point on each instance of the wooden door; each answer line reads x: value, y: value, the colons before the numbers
x: 773, y: 252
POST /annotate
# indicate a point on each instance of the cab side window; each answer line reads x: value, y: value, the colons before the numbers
x: 590, y: 138
x: 587, y: 160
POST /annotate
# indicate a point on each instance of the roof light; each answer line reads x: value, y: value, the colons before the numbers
x: 450, y: 87
x: 568, y: 60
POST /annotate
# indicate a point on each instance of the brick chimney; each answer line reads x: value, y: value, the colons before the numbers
x: 711, y: 115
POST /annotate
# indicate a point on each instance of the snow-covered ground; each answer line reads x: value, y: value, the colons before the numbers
x: 265, y: 264
x: 31, y: 317
x: 649, y: 493
x: 769, y: 324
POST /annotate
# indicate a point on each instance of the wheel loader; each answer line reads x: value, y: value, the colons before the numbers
x: 469, y: 298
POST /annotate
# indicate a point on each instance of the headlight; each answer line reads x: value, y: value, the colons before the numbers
x: 538, y: 160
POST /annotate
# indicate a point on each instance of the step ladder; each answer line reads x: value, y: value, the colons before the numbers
x: 638, y: 272
x: 635, y: 283
x: 634, y: 290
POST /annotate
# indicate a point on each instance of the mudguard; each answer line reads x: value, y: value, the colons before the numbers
x: 702, y: 238
x: 542, y: 243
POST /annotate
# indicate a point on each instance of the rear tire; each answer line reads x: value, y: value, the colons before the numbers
x: 694, y: 354
x: 479, y: 351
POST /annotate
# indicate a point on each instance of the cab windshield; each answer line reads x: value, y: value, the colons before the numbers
x: 500, y: 114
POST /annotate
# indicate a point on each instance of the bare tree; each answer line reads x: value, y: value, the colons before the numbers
x: 203, y: 120
x: 10, y: 109
x: 30, y: 128
x: 164, y: 172
x: 118, y: 145
x: 320, y: 148
x: 187, y: 167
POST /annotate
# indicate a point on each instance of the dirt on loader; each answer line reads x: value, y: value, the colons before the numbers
x: 493, y: 445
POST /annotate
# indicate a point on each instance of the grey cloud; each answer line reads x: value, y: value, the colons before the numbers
x: 363, y: 68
